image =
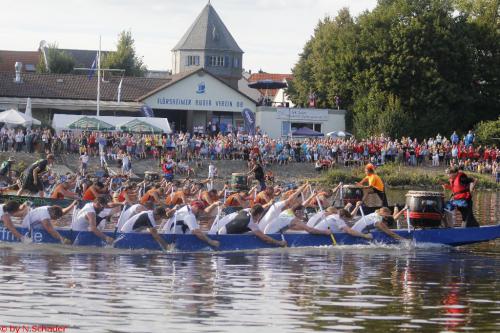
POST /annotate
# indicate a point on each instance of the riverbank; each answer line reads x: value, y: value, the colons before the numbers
x: 394, y: 176
x: 398, y: 176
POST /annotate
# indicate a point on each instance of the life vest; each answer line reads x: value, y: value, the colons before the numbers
x: 147, y: 196
x: 175, y: 199
x: 460, y: 191
x: 239, y: 225
x: 168, y: 168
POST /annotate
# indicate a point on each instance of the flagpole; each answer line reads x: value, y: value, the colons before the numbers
x: 99, y: 78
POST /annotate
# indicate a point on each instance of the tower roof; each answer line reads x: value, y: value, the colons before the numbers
x: 208, y: 32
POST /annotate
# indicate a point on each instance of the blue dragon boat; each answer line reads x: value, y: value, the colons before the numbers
x: 190, y: 243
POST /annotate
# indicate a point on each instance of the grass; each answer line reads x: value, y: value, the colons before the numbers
x: 401, y: 176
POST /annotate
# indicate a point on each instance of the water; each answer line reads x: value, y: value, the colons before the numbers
x: 342, y: 289
x: 373, y: 289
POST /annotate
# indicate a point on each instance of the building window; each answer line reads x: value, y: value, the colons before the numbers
x: 216, y: 61
x: 236, y: 62
x: 285, y: 128
x: 193, y: 61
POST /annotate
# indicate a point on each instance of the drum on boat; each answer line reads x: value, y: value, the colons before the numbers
x: 151, y: 176
x: 239, y: 181
x: 425, y: 208
x: 352, y: 194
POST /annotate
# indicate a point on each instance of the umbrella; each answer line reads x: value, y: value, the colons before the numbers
x: 92, y: 124
x: 139, y: 126
x: 268, y: 84
x: 14, y: 117
x: 306, y: 131
x: 339, y: 134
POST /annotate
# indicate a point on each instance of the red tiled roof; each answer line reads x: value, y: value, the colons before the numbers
x: 9, y: 58
x: 70, y: 86
x: 269, y: 76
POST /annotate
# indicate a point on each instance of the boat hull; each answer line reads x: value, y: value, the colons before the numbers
x: 190, y: 243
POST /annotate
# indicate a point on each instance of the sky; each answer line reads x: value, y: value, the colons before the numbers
x: 272, y: 33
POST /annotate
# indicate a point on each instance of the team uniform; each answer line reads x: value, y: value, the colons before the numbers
x: 183, y: 222
x: 139, y: 222
x: 332, y: 222
x: 281, y: 223
x: 367, y: 223
x: 34, y: 218
x: 126, y: 215
x: 273, y: 212
x: 81, y: 223
x: 240, y: 224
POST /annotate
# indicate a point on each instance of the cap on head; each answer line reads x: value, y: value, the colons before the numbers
x: 370, y: 167
x: 198, y: 204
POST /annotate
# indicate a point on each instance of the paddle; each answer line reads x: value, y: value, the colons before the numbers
x: 332, y: 237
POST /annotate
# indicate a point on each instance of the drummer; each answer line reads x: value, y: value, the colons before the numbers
x: 462, y: 187
x: 375, y: 184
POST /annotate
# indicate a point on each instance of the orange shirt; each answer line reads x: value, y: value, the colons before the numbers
x: 175, y: 199
x: 232, y: 201
x: 262, y: 198
x: 88, y: 195
x: 56, y: 194
x: 374, y: 181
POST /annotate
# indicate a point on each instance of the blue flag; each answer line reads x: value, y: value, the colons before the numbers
x: 249, y: 119
x: 93, y: 66
x: 147, y: 111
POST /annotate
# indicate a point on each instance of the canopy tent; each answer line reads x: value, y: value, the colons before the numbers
x: 61, y: 122
x: 306, y: 131
x: 339, y: 134
x: 91, y: 124
x: 139, y: 126
x: 16, y: 118
x: 268, y: 84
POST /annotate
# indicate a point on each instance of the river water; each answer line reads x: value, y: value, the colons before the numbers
x: 344, y: 289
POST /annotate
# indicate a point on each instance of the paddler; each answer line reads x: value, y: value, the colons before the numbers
x: 5, y: 169
x: 293, y: 218
x: 42, y: 217
x: 378, y: 220
x: 12, y: 209
x: 462, y: 188
x: 184, y: 221
x: 247, y: 221
x: 92, y: 218
x: 148, y: 220
x: 178, y: 197
x: 265, y: 197
x: 335, y: 220
x: 153, y: 195
x: 375, y: 184
x: 61, y: 190
x: 94, y: 191
x: 32, y: 181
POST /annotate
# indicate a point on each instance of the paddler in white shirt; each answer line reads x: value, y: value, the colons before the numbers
x: 148, y: 220
x: 92, y: 218
x: 378, y: 220
x: 293, y: 219
x: 336, y: 222
x: 42, y: 217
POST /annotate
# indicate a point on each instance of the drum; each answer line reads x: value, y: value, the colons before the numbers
x: 239, y: 181
x: 352, y: 194
x: 425, y: 208
x: 151, y: 176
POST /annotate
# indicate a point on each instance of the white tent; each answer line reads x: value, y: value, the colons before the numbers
x: 61, y: 122
x: 16, y: 118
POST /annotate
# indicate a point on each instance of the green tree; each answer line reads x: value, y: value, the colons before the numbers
x: 59, y: 61
x: 488, y: 132
x: 125, y: 57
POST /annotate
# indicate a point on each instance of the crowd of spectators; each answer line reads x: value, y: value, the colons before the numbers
x: 325, y: 152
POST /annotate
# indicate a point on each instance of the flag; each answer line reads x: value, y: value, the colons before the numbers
x: 312, y: 100
x: 147, y: 111
x: 93, y: 66
x: 120, y: 91
x: 249, y: 120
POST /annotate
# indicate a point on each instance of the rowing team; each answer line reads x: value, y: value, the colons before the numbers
x: 278, y: 217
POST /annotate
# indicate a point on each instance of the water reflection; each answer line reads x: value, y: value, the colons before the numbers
x: 375, y: 289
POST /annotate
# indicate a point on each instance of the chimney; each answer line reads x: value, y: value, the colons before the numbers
x: 18, y: 66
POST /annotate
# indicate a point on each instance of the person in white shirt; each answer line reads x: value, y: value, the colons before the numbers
x: 129, y: 213
x: 92, y: 218
x: 277, y: 207
x: 184, y: 222
x: 148, y: 220
x: 293, y: 219
x: 84, y: 160
x: 376, y: 220
x: 247, y: 221
x: 41, y: 218
x: 336, y: 222
x: 212, y: 171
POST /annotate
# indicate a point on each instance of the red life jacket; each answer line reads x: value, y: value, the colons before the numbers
x: 459, y: 190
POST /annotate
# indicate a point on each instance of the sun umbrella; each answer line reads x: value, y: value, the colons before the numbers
x: 268, y: 84
x: 139, y: 126
x: 27, y: 112
x: 16, y: 118
x: 91, y: 124
x: 339, y: 134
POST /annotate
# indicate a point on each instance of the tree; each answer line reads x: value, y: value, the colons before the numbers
x: 125, y: 57
x: 426, y: 66
x: 59, y: 61
x: 488, y: 132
